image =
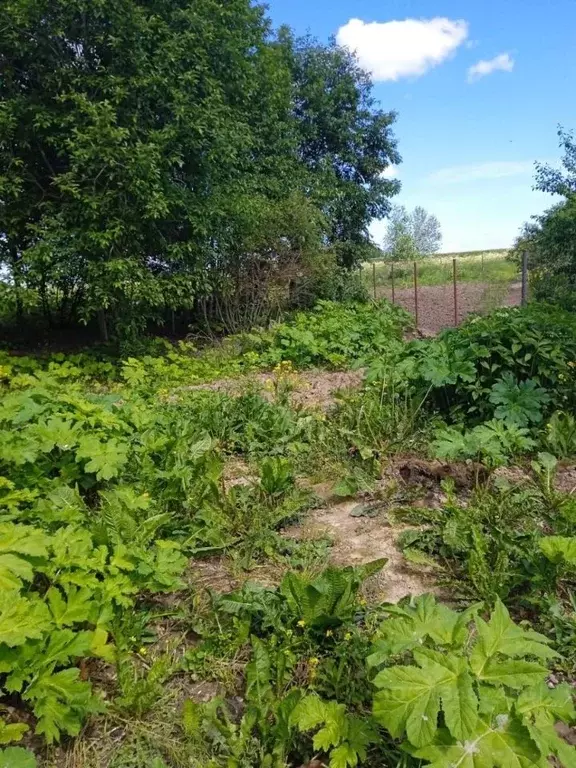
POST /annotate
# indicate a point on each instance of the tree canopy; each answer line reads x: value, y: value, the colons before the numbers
x: 412, y: 234
x: 163, y: 154
x: 550, y: 238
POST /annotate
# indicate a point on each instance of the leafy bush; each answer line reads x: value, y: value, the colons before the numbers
x: 333, y: 335
x: 492, y: 443
x: 516, y: 364
x: 469, y: 696
x: 294, y: 634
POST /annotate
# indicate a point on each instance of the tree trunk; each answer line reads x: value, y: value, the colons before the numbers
x: 102, y: 325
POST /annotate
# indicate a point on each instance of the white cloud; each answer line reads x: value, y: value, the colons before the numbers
x: 501, y: 63
x: 493, y: 170
x: 391, y: 172
x: 394, y: 49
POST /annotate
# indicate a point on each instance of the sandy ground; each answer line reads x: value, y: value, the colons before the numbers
x: 359, y: 540
x: 311, y: 389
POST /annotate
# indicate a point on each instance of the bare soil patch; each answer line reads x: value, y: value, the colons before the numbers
x: 436, y: 303
x: 358, y: 540
x: 311, y: 389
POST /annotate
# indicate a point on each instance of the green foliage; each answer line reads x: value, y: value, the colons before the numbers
x: 560, y: 435
x: 516, y: 364
x: 291, y: 677
x: 344, y: 737
x: 156, y: 185
x: 549, y: 238
x: 333, y: 335
x: 489, y: 547
x: 330, y: 600
x: 493, y: 442
x: 488, y: 682
x: 16, y: 757
x: 518, y: 403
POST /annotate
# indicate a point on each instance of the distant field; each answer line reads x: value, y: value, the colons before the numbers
x: 472, y: 266
x: 494, y: 253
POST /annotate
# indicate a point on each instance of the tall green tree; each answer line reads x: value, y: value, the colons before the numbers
x: 165, y: 153
x: 131, y: 133
x: 344, y: 140
x: 550, y: 238
x: 410, y: 235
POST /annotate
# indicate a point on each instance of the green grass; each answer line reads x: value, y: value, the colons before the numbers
x: 480, y: 266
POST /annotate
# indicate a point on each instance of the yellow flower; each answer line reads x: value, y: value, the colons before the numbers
x: 347, y: 636
x: 329, y: 633
x: 142, y: 651
x: 314, y: 661
x: 301, y: 623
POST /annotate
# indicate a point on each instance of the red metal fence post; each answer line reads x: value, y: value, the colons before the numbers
x: 416, y: 293
x: 454, y: 278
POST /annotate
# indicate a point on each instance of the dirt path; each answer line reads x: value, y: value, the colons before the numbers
x: 310, y: 389
x: 436, y: 302
x: 358, y: 539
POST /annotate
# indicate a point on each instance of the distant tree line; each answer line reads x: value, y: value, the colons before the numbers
x: 180, y: 156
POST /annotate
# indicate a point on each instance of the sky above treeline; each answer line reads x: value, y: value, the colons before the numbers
x: 480, y: 88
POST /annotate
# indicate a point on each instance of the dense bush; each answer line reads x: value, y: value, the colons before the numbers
x: 178, y: 157
x: 515, y: 364
x: 334, y: 335
x: 550, y: 238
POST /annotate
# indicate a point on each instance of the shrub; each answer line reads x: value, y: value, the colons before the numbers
x: 517, y: 364
x: 333, y: 335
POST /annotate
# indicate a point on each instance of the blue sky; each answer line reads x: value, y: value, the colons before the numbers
x: 479, y: 86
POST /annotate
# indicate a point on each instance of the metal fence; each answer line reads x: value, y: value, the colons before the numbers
x: 392, y: 278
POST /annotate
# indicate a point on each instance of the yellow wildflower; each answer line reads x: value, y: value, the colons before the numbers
x: 301, y: 623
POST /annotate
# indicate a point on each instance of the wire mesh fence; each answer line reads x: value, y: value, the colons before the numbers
x: 441, y: 291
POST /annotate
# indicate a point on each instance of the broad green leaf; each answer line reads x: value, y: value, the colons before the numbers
x: 501, y: 636
x: 309, y: 713
x: 61, y: 702
x: 409, y: 700
x: 17, y: 542
x: 10, y: 732
x: 17, y: 757
x: 459, y: 702
x: 540, y: 708
x: 515, y: 673
x: 22, y: 618
x: 422, y: 618
x: 101, y: 648
x: 507, y: 745
x: 56, y: 432
x: 23, y: 539
x: 553, y: 703
x: 343, y: 756
x: 104, y: 459
x: 74, y: 607
x: 559, y: 549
